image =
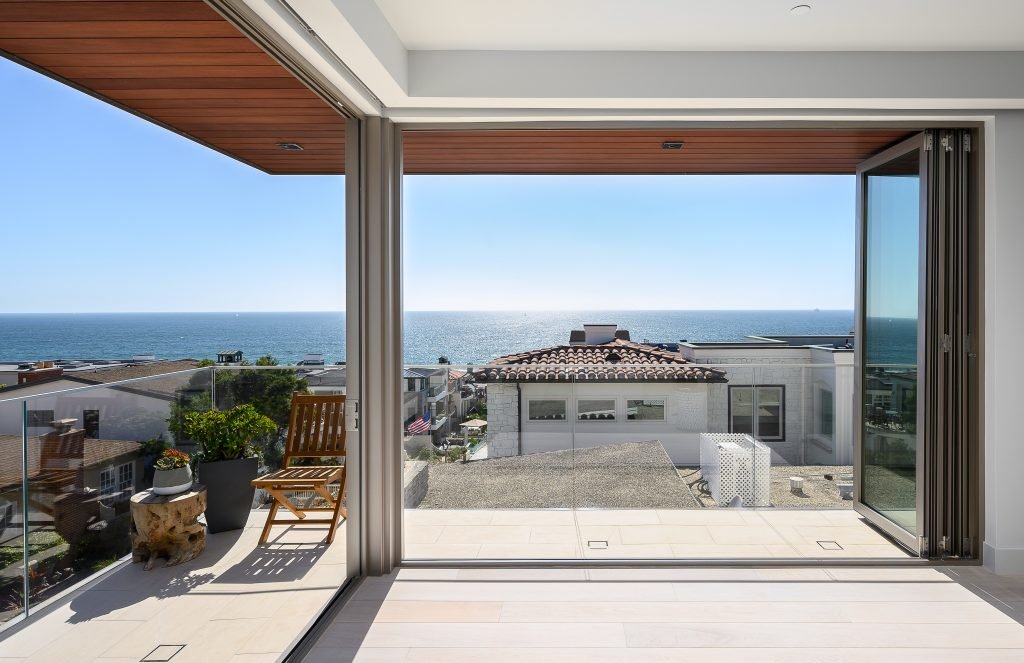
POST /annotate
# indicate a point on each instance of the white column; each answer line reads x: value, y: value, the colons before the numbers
x: 1003, y: 361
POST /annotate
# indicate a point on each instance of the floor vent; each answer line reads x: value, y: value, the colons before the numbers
x: 597, y: 545
x: 830, y: 545
x: 162, y: 653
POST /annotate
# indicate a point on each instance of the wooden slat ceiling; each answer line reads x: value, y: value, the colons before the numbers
x: 181, y: 64
x: 184, y: 66
x: 705, y: 151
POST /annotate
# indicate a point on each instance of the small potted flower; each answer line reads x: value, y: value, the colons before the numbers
x: 173, y: 474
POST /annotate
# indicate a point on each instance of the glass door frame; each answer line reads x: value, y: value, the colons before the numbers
x: 911, y: 541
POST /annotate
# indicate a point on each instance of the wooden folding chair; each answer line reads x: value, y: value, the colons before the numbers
x: 316, y: 430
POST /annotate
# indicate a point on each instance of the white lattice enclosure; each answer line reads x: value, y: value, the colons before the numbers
x: 736, y: 464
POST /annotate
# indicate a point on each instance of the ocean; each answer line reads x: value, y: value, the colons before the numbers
x: 463, y: 337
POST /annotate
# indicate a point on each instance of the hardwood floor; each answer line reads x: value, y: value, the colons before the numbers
x: 694, y: 614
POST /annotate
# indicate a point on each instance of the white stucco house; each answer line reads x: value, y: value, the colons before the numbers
x: 794, y: 393
x: 601, y: 388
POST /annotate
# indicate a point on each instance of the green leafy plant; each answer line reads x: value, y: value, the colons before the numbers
x: 172, y: 459
x: 154, y: 446
x: 227, y: 435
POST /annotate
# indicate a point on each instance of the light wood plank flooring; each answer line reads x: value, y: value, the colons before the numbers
x: 704, y: 615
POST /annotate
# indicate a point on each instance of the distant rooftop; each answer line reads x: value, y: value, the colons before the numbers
x: 614, y: 361
x: 829, y: 341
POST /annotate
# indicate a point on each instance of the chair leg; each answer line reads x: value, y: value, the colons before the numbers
x: 270, y: 522
x: 338, y: 509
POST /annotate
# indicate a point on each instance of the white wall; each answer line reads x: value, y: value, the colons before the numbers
x: 1003, y: 361
x: 686, y: 407
x: 796, y: 369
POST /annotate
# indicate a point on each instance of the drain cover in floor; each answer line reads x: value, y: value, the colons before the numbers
x: 830, y: 545
x: 162, y: 653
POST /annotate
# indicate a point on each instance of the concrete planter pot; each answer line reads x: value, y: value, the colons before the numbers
x: 172, y: 482
x: 229, y: 492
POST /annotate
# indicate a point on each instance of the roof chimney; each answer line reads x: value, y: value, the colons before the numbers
x: 598, y: 334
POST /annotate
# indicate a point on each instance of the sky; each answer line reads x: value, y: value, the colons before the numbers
x: 102, y: 211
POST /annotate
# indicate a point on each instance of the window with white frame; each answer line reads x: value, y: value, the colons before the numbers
x: 119, y: 480
x: 645, y: 409
x: 758, y: 411
x: 595, y: 409
x: 546, y: 409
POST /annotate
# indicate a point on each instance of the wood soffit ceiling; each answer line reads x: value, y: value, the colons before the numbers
x: 704, y: 151
x: 182, y: 65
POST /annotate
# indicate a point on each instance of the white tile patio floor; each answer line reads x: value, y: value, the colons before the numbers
x: 643, y: 534
x: 724, y: 615
x: 236, y: 602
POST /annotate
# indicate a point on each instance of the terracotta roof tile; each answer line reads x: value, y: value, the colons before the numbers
x: 616, y: 361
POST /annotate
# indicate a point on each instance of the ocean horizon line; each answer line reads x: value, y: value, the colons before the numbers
x: 480, y: 310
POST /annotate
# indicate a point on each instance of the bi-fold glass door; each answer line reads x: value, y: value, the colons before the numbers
x: 915, y: 460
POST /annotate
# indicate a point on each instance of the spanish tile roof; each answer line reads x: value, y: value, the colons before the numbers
x: 616, y: 361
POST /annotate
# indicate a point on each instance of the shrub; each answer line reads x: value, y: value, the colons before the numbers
x: 227, y: 435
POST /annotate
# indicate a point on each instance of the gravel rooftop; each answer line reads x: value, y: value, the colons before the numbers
x: 635, y: 475
x: 818, y: 492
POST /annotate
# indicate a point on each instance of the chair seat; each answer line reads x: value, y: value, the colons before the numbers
x: 301, y: 476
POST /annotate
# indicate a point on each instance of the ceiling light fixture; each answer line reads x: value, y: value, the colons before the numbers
x: 672, y: 145
x: 291, y: 147
x: 800, y: 10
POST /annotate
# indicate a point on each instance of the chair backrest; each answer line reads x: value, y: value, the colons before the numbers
x: 316, y: 428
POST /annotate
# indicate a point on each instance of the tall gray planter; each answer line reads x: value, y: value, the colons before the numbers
x: 229, y: 492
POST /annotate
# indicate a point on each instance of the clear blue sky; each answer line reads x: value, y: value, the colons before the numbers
x: 102, y: 211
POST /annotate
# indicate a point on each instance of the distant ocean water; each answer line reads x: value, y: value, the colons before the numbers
x: 463, y: 337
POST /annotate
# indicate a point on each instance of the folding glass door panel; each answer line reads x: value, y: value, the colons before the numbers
x: 916, y: 458
x: 891, y: 223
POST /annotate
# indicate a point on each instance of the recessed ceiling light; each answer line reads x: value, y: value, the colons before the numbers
x: 672, y: 145
x: 800, y: 10
x: 291, y: 147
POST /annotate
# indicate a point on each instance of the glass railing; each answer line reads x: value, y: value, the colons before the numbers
x: 71, y: 460
x: 574, y: 461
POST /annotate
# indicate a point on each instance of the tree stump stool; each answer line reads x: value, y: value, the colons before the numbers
x: 167, y: 526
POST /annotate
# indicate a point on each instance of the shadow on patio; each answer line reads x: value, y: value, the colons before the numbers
x: 235, y: 599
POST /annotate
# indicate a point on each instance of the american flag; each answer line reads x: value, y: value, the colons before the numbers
x: 419, y: 426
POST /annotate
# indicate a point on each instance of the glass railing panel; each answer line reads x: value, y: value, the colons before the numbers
x: 723, y: 460
x: 267, y: 390
x: 88, y: 451
x: 12, y: 517
x: 488, y: 468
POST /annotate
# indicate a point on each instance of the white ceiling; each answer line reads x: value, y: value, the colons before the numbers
x: 705, y: 25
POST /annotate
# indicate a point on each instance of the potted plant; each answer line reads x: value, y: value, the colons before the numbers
x: 173, y: 474
x: 228, y: 461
